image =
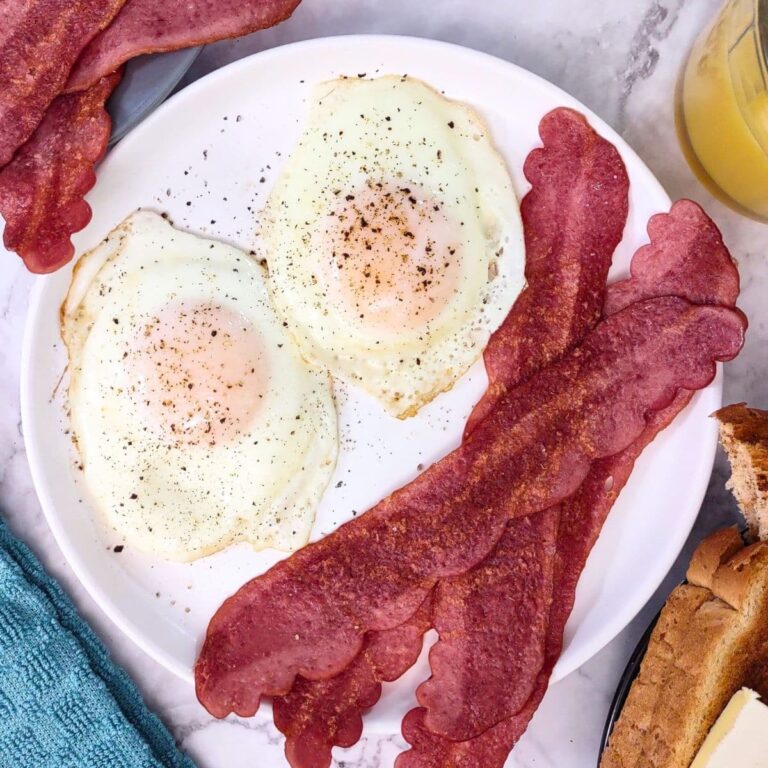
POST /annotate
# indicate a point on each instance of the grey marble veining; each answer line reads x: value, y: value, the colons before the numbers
x: 622, y: 60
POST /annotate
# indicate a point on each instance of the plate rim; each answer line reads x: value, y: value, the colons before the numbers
x: 100, y: 595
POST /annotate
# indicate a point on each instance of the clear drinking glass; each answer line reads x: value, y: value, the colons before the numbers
x: 722, y: 107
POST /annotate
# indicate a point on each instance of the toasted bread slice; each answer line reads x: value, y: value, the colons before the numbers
x: 744, y: 435
x: 706, y: 646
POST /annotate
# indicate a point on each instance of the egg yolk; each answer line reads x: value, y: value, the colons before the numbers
x: 393, y: 255
x: 201, y: 373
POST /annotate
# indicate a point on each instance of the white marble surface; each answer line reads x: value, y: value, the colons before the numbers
x: 621, y: 59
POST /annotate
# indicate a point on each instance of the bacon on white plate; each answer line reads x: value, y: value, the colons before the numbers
x: 42, y: 188
x: 309, y: 614
x: 40, y: 40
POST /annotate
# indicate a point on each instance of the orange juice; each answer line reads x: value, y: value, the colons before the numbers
x: 723, y: 106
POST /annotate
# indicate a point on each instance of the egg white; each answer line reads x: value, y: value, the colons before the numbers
x: 400, y: 134
x: 181, y: 499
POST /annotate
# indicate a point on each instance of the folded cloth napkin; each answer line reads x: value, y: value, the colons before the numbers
x: 63, y: 703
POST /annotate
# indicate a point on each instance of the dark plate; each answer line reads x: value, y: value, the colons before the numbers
x: 146, y: 83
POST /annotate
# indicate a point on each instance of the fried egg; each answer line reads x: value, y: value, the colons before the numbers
x: 197, y: 421
x: 393, y: 238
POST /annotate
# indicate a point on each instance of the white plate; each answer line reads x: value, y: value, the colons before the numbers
x: 209, y: 146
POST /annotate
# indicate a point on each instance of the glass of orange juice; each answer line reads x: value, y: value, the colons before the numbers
x: 722, y: 106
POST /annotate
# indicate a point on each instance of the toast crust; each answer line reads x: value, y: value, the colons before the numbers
x: 711, y: 554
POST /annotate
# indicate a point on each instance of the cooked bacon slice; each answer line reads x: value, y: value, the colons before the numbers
x: 472, y: 687
x: 574, y: 217
x: 503, y: 604
x: 676, y: 259
x: 685, y: 257
x: 308, y: 615
x: 42, y: 194
x: 40, y: 40
x: 42, y: 188
x: 576, y: 165
x: 318, y: 715
x: 151, y: 26
x: 581, y: 519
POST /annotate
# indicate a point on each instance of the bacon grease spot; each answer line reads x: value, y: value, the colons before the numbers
x: 201, y: 373
x: 394, y: 257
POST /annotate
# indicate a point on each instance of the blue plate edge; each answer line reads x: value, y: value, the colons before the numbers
x: 152, y: 103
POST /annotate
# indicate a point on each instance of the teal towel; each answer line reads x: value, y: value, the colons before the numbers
x: 63, y: 703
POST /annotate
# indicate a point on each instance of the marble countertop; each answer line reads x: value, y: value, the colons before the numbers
x: 622, y: 60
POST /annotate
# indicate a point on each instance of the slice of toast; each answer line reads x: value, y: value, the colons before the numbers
x: 744, y: 435
x: 705, y: 647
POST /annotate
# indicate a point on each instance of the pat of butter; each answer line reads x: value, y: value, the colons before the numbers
x: 739, y: 737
